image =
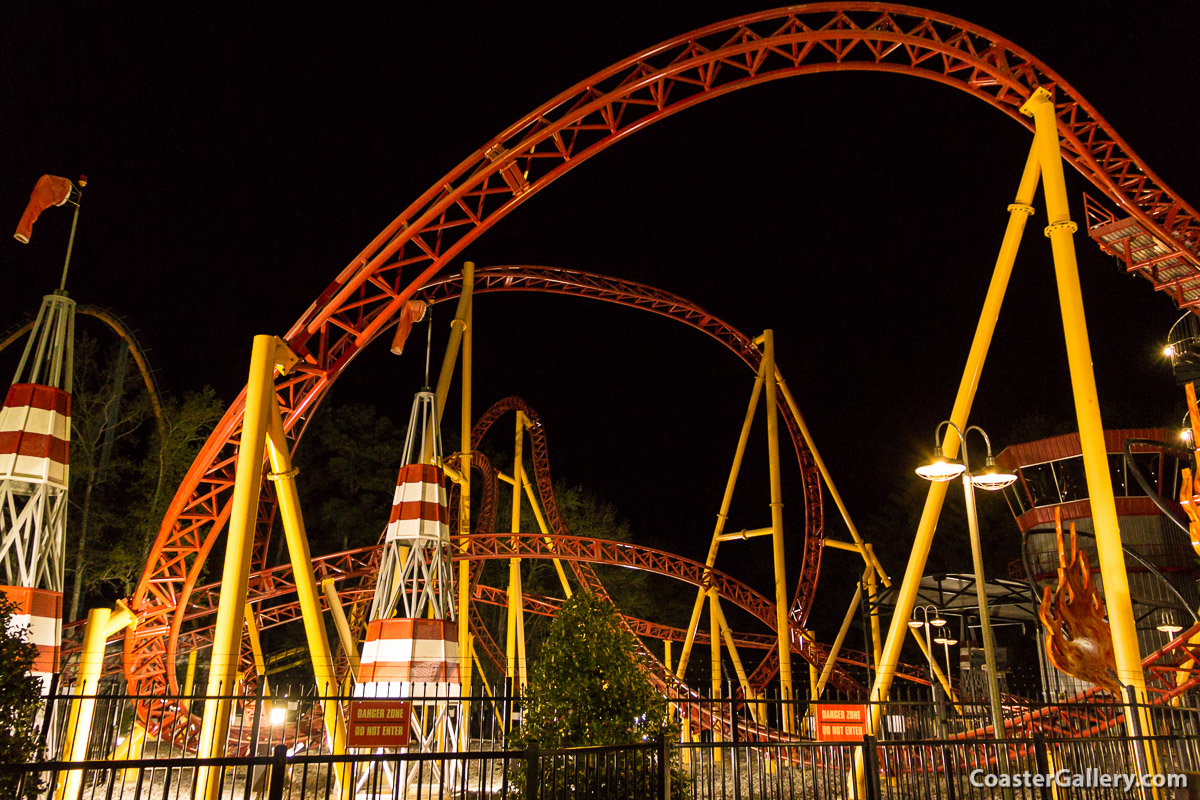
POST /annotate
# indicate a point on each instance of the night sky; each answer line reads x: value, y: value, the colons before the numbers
x: 238, y: 159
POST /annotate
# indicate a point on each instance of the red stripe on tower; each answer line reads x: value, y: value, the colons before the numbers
x: 419, y: 505
x: 39, y: 612
x: 35, y: 432
x: 398, y: 653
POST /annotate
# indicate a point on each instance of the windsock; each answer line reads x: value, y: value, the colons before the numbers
x: 50, y: 190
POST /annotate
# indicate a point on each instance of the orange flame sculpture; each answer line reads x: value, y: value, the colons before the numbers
x: 1188, y: 496
x: 1078, y: 640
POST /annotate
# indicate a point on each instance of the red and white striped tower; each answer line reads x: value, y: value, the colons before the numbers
x: 411, y: 647
x: 35, y: 435
x: 35, y: 432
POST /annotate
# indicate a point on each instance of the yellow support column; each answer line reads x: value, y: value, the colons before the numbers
x: 465, y: 640
x: 1019, y: 212
x: 235, y: 576
x: 873, y: 606
x: 189, y: 680
x: 715, y: 666
x: 782, y: 601
x: 260, y: 661
x: 342, y: 626
x: 1060, y: 231
x: 736, y: 658
x: 836, y: 649
x: 101, y: 624
x: 545, y: 529
x: 515, y: 645
x: 722, y: 516
x: 284, y: 477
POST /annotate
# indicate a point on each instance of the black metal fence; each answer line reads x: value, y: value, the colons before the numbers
x: 729, y: 748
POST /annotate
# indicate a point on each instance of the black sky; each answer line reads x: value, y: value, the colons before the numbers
x: 239, y: 158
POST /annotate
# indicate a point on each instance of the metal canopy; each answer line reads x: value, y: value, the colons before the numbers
x: 1008, y: 601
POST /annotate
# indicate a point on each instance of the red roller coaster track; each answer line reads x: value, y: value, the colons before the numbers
x: 548, y: 143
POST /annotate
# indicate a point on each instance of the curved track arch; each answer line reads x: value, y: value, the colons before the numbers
x: 569, y: 129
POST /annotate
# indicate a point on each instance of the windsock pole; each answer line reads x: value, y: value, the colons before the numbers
x: 62, y: 286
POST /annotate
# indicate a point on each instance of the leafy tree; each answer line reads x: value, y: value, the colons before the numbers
x: 167, y: 451
x: 586, y: 687
x: 20, y: 699
x: 348, y: 461
x: 125, y: 466
x: 106, y: 409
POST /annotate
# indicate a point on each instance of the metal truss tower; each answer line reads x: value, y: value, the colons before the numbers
x: 411, y: 647
x: 35, y: 432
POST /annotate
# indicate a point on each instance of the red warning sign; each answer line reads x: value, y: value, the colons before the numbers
x: 841, y: 723
x: 378, y: 723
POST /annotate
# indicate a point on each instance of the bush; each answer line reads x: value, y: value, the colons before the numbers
x: 20, y: 700
x: 586, y: 689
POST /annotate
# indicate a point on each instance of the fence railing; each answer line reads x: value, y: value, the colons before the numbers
x: 730, y: 748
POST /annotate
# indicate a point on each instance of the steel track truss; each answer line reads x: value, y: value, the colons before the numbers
x: 545, y: 145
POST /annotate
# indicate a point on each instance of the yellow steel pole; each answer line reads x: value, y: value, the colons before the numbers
x: 542, y: 526
x: 101, y: 624
x: 516, y: 591
x: 260, y: 661
x: 722, y: 517
x: 465, y: 641
x: 735, y: 657
x: 667, y: 654
x: 748, y: 533
x: 458, y: 327
x: 522, y: 659
x: 189, y: 680
x: 782, y: 601
x: 1060, y: 231
x: 829, y: 484
x: 1019, y: 212
x: 873, y: 606
x: 714, y: 625
x: 831, y: 659
x: 545, y: 529
x: 510, y: 639
x: 284, y: 477
x: 235, y: 576
x: 134, y: 747
x: 342, y: 626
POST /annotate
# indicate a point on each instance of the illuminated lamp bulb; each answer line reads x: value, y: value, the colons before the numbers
x: 1169, y: 351
x: 1167, y: 623
x: 991, y: 478
x: 941, y: 469
x: 915, y: 624
x: 937, y: 621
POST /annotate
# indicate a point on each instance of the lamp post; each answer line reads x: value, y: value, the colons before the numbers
x: 937, y: 622
x: 992, y: 479
x: 945, y: 640
x: 1168, y: 624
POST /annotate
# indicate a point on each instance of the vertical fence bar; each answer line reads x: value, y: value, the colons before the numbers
x: 664, y: 767
x: 278, y: 773
x: 533, y: 770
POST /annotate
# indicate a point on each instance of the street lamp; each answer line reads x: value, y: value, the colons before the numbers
x: 1168, y: 624
x: 938, y: 621
x: 945, y: 640
x: 989, y: 478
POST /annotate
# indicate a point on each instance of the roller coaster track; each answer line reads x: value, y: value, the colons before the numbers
x: 546, y: 144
